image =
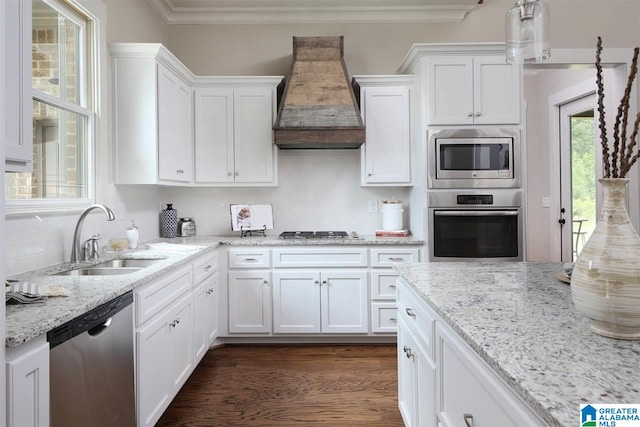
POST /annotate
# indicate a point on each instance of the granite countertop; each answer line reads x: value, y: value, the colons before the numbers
x: 521, y: 320
x: 25, y: 322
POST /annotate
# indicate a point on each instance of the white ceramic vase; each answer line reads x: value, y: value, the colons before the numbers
x: 605, y: 282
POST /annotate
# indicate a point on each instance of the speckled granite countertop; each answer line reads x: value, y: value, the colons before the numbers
x: 521, y: 320
x: 25, y: 322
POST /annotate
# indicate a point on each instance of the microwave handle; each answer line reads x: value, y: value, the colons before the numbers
x: 476, y: 213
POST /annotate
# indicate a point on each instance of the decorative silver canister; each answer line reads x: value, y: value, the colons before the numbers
x: 168, y: 221
x: 186, y: 227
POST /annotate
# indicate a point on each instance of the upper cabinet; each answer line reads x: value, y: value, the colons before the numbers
x: 15, y: 17
x: 233, y: 131
x: 464, y: 84
x: 385, y: 108
x: 153, y: 116
x: 464, y: 90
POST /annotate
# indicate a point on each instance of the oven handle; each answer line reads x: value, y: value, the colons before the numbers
x: 476, y: 213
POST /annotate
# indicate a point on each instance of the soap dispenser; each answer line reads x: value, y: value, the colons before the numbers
x: 132, y: 235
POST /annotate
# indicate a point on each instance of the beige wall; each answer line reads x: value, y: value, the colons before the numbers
x: 134, y: 21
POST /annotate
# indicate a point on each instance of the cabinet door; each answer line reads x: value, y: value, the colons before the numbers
x: 253, y: 135
x: 174, y: 127
x: 249, y: 301
x: 296, y: 302
x: 387, y: 153
x: 200, y: 321
x: 214, y: 135
x: 496, y: 91
x: 384, y: 317
x: 344, y: 301
x: 213, y: 299
x: 450, y: 90
x: 28, y: 385
x: 180, y: 342
x: 16, y: 39
x: 407, y: 390
x: 153, y: 391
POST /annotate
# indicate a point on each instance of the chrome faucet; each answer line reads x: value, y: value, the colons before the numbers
x: 76, y: 248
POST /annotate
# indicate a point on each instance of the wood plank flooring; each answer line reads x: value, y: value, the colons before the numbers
x: 328, y: 385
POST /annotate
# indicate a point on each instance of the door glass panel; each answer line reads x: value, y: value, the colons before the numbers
x: 583, y: 179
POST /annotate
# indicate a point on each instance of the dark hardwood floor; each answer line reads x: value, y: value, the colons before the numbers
x: 328, y: 385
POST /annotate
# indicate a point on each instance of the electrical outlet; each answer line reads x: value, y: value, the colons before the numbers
x: 546, y: 202
x: 373, y: 206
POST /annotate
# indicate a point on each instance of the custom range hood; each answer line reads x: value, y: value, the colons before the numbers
x: 317, y: 108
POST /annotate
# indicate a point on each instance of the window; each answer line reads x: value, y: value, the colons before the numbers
x: 63, y: 116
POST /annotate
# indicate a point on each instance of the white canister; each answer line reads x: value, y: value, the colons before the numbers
x: 392, y: 216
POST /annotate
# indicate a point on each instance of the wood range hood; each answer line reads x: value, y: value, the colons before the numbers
x: 317, y: 108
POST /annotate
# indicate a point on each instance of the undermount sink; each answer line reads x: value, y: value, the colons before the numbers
x: 128, y: 262
x: 113, y: 267
x: 104, y: 271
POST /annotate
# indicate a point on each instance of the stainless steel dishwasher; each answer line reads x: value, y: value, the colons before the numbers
x: 92, y: 373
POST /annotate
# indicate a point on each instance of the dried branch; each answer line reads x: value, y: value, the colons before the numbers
x: 630, y: 161
x: 602, y: 125
x: 623, y: 114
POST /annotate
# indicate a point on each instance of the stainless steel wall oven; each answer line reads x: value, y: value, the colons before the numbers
x: 475, y: 225
x: 474, y: 158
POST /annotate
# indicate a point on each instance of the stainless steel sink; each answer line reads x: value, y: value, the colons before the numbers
x: 128, y: 262
x: 113, y: 267
x: 93, y: 271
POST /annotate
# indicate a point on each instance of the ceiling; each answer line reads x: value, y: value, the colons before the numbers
x: 311, y: 11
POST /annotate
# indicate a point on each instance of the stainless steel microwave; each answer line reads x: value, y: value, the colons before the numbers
x: 474, y: 158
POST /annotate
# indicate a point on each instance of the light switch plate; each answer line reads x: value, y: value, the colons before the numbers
x: 373, y: 206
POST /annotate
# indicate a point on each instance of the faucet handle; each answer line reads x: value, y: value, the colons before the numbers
x: 90, y: 249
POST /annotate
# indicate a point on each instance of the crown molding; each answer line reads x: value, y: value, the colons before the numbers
x: 323, y: 12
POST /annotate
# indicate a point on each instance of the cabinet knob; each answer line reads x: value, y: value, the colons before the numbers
x: 316, y: 282
x: 237, y: 173
x: 229, y: 173
x: 468, y: 419
x: 369, y: 174
x: 478, y: 114
x: 324, y: 282
x: 470, y: 115
x: 408, y: 352
x: 265, y: 281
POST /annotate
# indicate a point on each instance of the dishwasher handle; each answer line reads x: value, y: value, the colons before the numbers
x: 93, y: 321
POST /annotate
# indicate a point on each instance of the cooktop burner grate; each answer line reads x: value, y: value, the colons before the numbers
x: 314, y: 235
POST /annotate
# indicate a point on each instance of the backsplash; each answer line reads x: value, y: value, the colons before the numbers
x: 317, y: 190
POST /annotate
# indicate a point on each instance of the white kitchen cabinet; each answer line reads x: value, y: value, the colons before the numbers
x: 472, y: 90
x: 250, y: 301
x: 153, y: 115
x: 16, y: 40
x: 205, y: 304
x: 27, y: 377
x: 326, y: 301
x: 385, y: 108
x: 233, y: 132
x: 439, y: 375
x: 164, y: 342
x: 383, y: 285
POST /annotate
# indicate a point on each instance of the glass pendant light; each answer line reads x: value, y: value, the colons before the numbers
x: 527, y: 32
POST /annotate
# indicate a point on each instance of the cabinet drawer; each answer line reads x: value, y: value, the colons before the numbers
x: 320, y: 257
x: 386, y: 257
x: 204, y: 267
x: 384, y: 317
x: 383, y: 284
x: 153, y: 297
x: 249, y: 258
x: 416, y: 314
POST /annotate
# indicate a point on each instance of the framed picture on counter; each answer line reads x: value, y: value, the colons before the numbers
x: 251, y: 217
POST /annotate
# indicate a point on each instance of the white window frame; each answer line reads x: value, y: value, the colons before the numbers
x: 89, y: 96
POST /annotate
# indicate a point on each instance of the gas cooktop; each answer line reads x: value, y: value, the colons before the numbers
x: 314, y: 235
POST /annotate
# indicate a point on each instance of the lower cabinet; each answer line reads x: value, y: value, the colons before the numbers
x: 27, y: 370
x: 332, y: 301
x: 164, y: 359
x: 250, y: 301
x: 442, y: 381
x: 205, y: 312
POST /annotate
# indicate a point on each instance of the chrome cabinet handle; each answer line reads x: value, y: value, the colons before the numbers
x: 250, y: 260
x: 209, y: 291
x: 392, y: 286
x: 478, y: 114
x: 410, y: 312
x: 393, y: 319
x: 408, y: 352
x: 316, y: 282
x: 324, y: 282
x: 207, y: 267
x: 396, y: 259
x: 468, y: 419
x: 175, y: 322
